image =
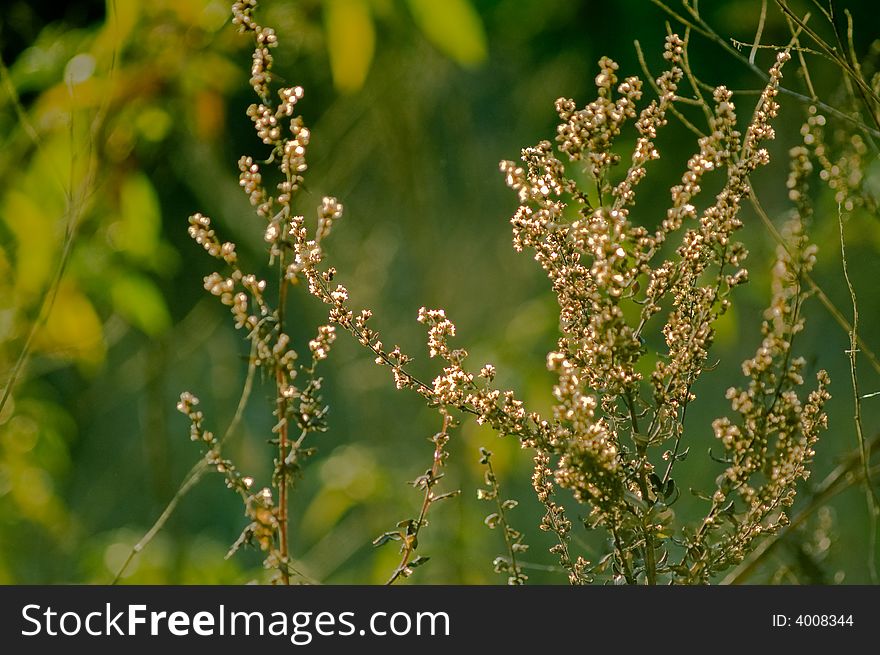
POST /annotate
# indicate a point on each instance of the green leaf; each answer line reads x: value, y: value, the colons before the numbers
x: 454, y: 27
x: 603, y: 563
x: 720, y: 460
x: 385, y: 537
x: 418, y: 561
x: 138, y: 301
x: 702, y: 495
x: 351, y: 40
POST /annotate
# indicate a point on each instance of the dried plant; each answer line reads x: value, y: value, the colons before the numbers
x: 513, y: 539
x: 839, y: 132
x: 639, y: 297
x: 407, y: 532
x: 604, y: 428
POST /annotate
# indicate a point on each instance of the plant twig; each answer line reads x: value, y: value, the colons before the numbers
x: 848, y: 472
x: 829, y: 305
x: 703, y: 28
x: 681, y: 117
x: 758, y: 34
x: 283, y: 505
x: 870, y: 494
x: 512, y: 538
x: 410, y: 540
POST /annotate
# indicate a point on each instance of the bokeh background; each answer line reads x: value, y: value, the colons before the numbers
x: 118, y: 120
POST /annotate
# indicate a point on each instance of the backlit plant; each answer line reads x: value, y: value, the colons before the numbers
x: 639, y: 296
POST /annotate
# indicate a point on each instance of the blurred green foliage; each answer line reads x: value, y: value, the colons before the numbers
x: 118, y: 121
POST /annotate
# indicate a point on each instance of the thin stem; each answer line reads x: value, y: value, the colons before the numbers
x: 802, y: 60
x: 689, y: 73
x: 642, y: 451
x: 703, y: 28
x: 75, y: 203
x: 841, y: 59
x: 865, y: 91
x: 681, y: 117
x: 621, y: 555
x: 411, y: 541
x: 283, y: 502
x: 191, y: 480
x: 24, y: 120
x: 72, y: 215
x: 758, y: 34
x: 674, y: 456
x: 870, y: 494
x: 814, y: 286
x: 512, y: 538
x: 505, y: 526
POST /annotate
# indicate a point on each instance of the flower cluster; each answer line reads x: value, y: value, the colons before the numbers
x: 598, y: 261
x: 771, y: 445
x: 259, y: 505
x: 298, y: 402
x: 613, y: 277
x: 556, y: 521
x: 841, y: 161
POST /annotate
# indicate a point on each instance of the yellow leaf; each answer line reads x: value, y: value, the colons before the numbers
x: 454, y: 27
x: 122, y: 17
x: 351, y: 39
x: 35, y: 244
x: 72, y: 330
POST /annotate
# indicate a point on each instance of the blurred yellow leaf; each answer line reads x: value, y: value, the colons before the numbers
x: 188, y: 11
x: 153, y: 123
x: 33, y: 491
x: 211, y: 115
x: 351, y: 39
x: 454, y: 27
x: 72, y: 330
x: 138, y: 300
x: 35, y: 249
x: 209, y: 71
x: 122, y: 16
